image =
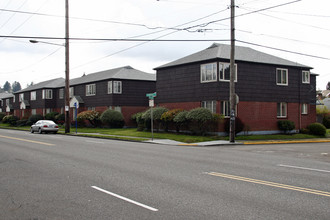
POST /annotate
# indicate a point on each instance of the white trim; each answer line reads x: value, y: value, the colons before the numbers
x: 90, y: 89
x: 226, y: 80
x: 286, y: 77
x: 307, y: 81
x: 203, y: 71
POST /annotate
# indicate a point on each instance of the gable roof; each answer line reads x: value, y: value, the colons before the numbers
x: 6, y: 95
x: 126, y: 72
x: 50, y: 84
x: 222, y: 51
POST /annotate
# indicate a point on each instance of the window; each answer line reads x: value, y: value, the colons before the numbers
x: 282, y: 110
x: 47, y: 94
x: 33, y: 95
x: 224, y: 72
x: 118, y: 108
x: 210, y: 105
x: 305, y: 77
x: 61, y: 94
x: 225, y: 109
x: 7, y: 102
x: 33, y: 111
x: 282, y: 77
x: 114, y: 87
x: 21, y: 97
x: 209, y: 72
x: 90, y: 89
x: 71, y: 91
x: 91, y: 108
x: 304, y: 109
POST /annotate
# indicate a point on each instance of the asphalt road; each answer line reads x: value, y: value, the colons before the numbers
x: 64, y: 177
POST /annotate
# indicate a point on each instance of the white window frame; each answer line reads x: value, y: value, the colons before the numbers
x: 284, y: 73
x: 209, y: 69
x: 61, y: 93
x: 117, y: 87
x: 221, y: 72
x: 91, y: 89
x: 117, y: 108
x: 110, y: 87
x: 282, y: 110
x: 304, y: 108
x: 34, y: 111
x: 306, y: 76
x: 225, y: 111
x: 71, y: 92
x: 33, y: 95
x: 21, y: 97
x: 7, y: 102
x: 47, y: 94
x: 210, y: 105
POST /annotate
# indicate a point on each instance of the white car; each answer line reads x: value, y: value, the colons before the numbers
x: 44, y: 126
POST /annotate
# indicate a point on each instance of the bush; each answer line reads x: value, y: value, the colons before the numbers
x: 60, y: 119
x: 51, y: 116
x: 33, y: 119
x: 199, y: 119
x: 139, y: 120
x: 167, y: 117
x: 156, y: 113
x: 317, y: 129
x: 2, y: 115
x: 326, y: 121
x: 92, y: 116
x: 10, y: 119
x: 22, y: 122
x: 286, y: 125
x: 180, y: 120
x: 239, y: 125
x: 112, y: 118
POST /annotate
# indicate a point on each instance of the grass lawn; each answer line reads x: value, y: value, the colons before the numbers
x: 133, y: 134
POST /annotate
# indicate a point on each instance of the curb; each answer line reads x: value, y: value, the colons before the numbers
x: 286, y: 142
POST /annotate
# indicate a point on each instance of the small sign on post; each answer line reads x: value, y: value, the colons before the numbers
x: 151, y: 97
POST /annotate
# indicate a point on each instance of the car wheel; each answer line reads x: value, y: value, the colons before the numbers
x: 31, y: 130
x: 40, y: 132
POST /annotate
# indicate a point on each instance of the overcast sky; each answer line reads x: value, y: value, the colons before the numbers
x: 296, y: 26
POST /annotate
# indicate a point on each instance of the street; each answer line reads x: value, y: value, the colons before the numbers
x: 48, y: 176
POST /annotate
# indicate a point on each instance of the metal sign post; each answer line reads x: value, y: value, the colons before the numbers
x: 151, y: 97
x: 76, y: 106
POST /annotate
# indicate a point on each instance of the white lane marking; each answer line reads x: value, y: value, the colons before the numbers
x: 125, y: 199
x: 303, y: 168
x: 95, y: 142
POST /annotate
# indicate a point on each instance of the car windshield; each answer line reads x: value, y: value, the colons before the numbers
x: 48, y: 122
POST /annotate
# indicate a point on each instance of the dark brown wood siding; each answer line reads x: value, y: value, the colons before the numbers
x: 256, y: 82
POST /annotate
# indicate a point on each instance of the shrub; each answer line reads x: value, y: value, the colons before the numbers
x: 156, y: 113
x: 239, y: 125
x: 180, y: 120
x: 60, y: 119
x: 317, y: 129
x: 326, y: 121
x: 10, y: 119
x: 167, y: 117
x: 286, y: 125
x: 199, y: 119
x: 2, y: 115
x: 33, y: 119
x: 139, y: 120
x: 22, y: 122
x: 51, y: 116
x: 92, y: 116
x: 112, y: 118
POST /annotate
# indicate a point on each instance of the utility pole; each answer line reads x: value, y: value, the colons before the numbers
x: 232, y: 95
x: 67, y: 70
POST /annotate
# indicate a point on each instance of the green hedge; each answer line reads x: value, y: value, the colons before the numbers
x: 286, y: 125
x: 112, y: 118
x: 317, y: 129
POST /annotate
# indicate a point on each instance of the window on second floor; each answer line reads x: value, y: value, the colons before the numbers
x: 21, y: 97
x: 114, y: 87
x: 209, y: 72
x: 7, y: 102
x: 71, y: 91
x: 282, y: 109
x: 282, y: 77
x: 210, y: 105
x: 33, y: 95
x: 47, y: 94
x: 306, y: 77
x: 90, y: 89
x: 61, y: 93
x: 224, y: 72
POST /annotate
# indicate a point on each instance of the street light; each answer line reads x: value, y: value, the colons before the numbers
x: 67, y: 68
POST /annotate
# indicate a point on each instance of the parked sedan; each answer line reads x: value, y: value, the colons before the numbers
x: 44, y: 126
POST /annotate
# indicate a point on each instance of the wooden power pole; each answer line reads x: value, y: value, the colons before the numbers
x: 232, y: 95
x: 67, y: 70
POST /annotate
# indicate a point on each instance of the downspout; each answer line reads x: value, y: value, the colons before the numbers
x: 299, y: 109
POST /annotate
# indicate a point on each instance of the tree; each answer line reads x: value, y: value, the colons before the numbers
x: 7, y: 87
x: 28, y: 85
x: 16, y: 86
x: 328, y: 86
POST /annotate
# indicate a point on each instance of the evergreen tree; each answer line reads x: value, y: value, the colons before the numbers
x: 16, y: 86
x: 328, y: 86
x: 7, y: 87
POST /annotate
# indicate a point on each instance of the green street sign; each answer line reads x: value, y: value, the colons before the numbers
x: 151, y: 95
